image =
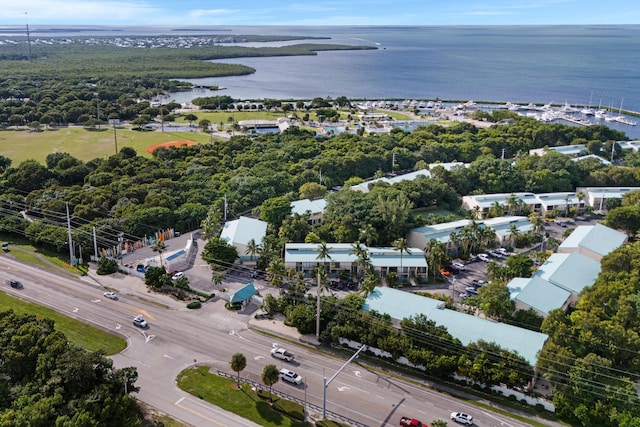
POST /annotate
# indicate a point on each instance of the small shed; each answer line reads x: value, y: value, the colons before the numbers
x: 243, y: 295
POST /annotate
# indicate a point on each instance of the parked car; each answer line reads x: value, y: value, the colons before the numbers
x: 462, y: 418
x: 503, y: 251
x: 177, y: 275
x: 282, y: 354
x: 14, y: 283
x: 140, y: 322
x: 458, y: 266
x: 290, y: 376
x: 464, y: 295
x: 496, y: 254
x: 471, y: 290
x: 444, y: 272
x: 484, y: 257
x: 478, y: 283
x: 110, y: 295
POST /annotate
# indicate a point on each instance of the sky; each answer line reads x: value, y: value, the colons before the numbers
x: 318, y: 12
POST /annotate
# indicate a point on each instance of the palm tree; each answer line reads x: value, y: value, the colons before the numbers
x: 323, y: 253
x: 476, y: 212
x: 512, y: 203
x: 454, y: 241
x: 363, y: 256
x: 538, y: 224
x: 368, y: 234
x: 580, y: 196
x: 495, y: 210
x: 368, y: 283
x: 270, y: 376
x: 275, y: 272
x: 401, y: 245
x: 159, y: 247
x: 238, y: 363
x: 252, y: 249
x: 513, y: 234
x: 436, y: 255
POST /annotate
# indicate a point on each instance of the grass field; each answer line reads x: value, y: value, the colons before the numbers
x: 89, y: 144
x: 83, y: 144
x: 222, y: 392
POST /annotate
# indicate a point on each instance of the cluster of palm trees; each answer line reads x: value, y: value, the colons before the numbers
x: 471, y: 238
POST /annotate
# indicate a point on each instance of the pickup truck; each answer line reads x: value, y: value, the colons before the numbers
x: 282, y: 354
x: 411, y: 422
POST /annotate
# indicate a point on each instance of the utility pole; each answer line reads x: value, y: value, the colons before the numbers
x: 115, y: 136
x: 71, y: 255
x: 98, y: 108
x: 95, y: 244
x: 318, y: 306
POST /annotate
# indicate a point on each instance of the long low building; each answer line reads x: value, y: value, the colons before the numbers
x: 465, y: 327
x: 343, y: 260
x: 502, y: 226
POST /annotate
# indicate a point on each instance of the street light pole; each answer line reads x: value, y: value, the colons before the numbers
x: 326, y: 382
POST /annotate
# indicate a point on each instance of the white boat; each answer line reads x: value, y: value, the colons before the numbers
x: 601, y: 114
x: 624, y: 120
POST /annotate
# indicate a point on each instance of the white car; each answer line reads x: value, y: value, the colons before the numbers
x: 462, y: 418
x: 110, y: 295
x: 458, y: 266
x: 177, y: 275
x: 290, y: 376
x: 140, y: 322
x: 282, y: 354
x: 484, y: 257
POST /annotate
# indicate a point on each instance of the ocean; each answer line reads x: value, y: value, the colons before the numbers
x: 577, y: 65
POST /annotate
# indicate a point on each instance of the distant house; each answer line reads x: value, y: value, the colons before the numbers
x: 303, y: 257
x: 315, y: 209
x: 411, y: 176
x: 568, y: 150
x: 240, y: 232
x: 597, y: 197
x: 464, y: 327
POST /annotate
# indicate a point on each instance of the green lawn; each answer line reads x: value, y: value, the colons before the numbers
x: 83, y: 144
x: 79, y: 333
x: 222, y: 392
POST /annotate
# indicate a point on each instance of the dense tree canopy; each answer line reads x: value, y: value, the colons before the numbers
x: 48, y: 381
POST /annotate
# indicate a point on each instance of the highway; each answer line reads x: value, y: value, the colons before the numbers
x: 179, y: 338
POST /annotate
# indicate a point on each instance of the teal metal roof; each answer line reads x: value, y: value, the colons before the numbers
x: 572, y: 272
x: 468, y: 329
x: 597, y: 238
x: 243, y: 294
x: 538, y: 293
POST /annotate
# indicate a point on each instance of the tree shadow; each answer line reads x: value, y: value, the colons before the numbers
x: 269, y: 414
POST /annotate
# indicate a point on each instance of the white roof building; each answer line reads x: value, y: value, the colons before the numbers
x: 241, y: 231
x: 569, y: 150
x: 304, y: 257
x: 315, y: 209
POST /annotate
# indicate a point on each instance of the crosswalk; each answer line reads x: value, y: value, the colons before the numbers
x: 221, y: 319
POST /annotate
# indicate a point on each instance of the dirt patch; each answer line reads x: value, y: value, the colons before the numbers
x: 180, y: 143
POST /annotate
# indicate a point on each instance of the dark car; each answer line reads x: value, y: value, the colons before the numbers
x: 15, y: 284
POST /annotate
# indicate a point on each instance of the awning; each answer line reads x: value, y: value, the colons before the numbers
x: 243, y: 294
